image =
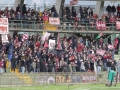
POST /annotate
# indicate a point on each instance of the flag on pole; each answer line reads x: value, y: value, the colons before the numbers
x: 99, y: 35
x: 58, y: 43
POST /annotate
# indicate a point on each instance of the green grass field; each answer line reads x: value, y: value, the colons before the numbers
x: 63, y: 87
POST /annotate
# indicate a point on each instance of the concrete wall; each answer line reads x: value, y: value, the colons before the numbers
x: 18, y: 2
x: 99, y: 8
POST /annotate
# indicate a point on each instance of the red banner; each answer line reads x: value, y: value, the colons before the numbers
x: 4, y: 26
x: 73, y: 2
x: 118, y: 25
x: 100, y: 25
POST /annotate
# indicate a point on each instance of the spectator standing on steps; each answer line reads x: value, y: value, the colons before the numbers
x: 108, y: 9
x: 24, y: 10
x: 18, y: 9
x: 53, y: 10
x: 113, y: 10
x: 118, y: 11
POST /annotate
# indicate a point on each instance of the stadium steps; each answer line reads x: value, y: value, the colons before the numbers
x: 26, y: 78
x: 48, y: 26
x: 22, y: 77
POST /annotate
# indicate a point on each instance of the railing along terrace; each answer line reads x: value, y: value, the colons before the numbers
x: 68, y: 25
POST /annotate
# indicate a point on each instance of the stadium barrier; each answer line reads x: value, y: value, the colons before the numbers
x: 51, y: 78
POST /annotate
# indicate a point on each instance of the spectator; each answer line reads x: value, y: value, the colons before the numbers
x: 55, y: 14
x: 91, y: 13
x: 113, y: 10
x: 18, y: 16
x: 1, y: 65
x: 3, y: 15
x: 18, y: 8
x: 73, y: 11
x: 53, y: 9
x: 24, y: 10
x: 118, y: 11
x: 12, y: 11
x: 109, y: 9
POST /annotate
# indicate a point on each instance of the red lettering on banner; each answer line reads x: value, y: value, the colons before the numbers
x: 3, y: 21
x: 4, y: 26
x: 54, y: 21
x: 100, y: 25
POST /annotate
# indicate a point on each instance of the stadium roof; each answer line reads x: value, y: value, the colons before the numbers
x: 51, y: 2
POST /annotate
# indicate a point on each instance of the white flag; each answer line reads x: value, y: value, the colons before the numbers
x: 95, y: 67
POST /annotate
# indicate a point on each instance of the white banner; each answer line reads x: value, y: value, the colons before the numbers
x: 4, y: 26
x: 51, y: 44
x: 45, y: 36
x: 110, y: 46
x: 54, y: 21
x: 4, y: 38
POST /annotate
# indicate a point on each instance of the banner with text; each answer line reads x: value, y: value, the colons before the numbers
x: 117, y: 25
x: 4, y: 26
x: 100, y: 25
x: 4, y: 38
x: 54, y: 21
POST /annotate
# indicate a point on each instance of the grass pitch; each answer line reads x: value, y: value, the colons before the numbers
x: 63, y: 87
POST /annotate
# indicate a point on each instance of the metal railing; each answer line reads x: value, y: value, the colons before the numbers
x: 70, y: 26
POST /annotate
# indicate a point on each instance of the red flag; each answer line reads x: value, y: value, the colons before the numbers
x: 58, y: 43
x: 73, y: 2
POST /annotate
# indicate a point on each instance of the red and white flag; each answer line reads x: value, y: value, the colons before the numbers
x: 110, y: 46
x: 73, y: 2
x: 100, y: 52
x: 25, y: 37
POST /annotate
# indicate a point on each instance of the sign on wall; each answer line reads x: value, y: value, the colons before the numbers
x: 4, y: 26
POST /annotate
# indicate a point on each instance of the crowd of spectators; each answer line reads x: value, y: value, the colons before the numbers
x: 33, y: 55
x: 74, y: 55
x: 71, y: 15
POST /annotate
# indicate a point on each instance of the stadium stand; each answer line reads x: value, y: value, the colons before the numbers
x: 70, y: 54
